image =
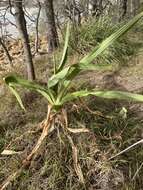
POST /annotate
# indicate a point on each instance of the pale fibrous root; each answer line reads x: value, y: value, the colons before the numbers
x: 67, y: 130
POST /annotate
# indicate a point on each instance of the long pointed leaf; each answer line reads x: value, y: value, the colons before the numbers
x: 58, y: 77
x: 104, y: 94
x: 17, y: 97
x: 64, y: 56
x: 22, y: 82
x: 13, y: 81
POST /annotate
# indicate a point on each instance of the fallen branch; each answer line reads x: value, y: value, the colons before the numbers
x: 125, y: 150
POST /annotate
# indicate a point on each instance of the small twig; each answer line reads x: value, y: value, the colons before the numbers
x: 125, y: 150
x: 28, y: 15
x: 10, y: 4
x: 98, y: 113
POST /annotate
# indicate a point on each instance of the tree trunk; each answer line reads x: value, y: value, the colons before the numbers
x: 37, y: 28
x: 52, y: 35
x: 97, y: 7
x: 136, y: 4
x: 123, y: 7
x: 94, y: 7
x: 21, y: 25
x: 6, y: 51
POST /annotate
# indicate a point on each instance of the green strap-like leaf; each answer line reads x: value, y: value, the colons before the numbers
x: 13, y: 81
x: 58, y: 77
x: 64, y: 56
x: 17, y: 97
x: 22, y: 82
x: 108, y: 41
x: 104, y: 94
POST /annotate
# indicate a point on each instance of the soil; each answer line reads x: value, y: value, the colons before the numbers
x: 128, y: 77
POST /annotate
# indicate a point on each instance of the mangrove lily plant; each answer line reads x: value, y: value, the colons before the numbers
x: 58, y: 92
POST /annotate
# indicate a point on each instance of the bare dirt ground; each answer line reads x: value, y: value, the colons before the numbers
x: 128, y: 77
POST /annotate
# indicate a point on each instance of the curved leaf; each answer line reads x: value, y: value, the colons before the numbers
x: 17, y: 97
x: 120, y: 95
x: 65, y: 51
x: 13, y: 81
x: 58, y: 77
x: 22, y: 82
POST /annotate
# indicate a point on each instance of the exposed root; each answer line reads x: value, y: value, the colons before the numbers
x: 44, y: 134
x: 79, y: 130
x: 77, y: 166
x: 65, y: 118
